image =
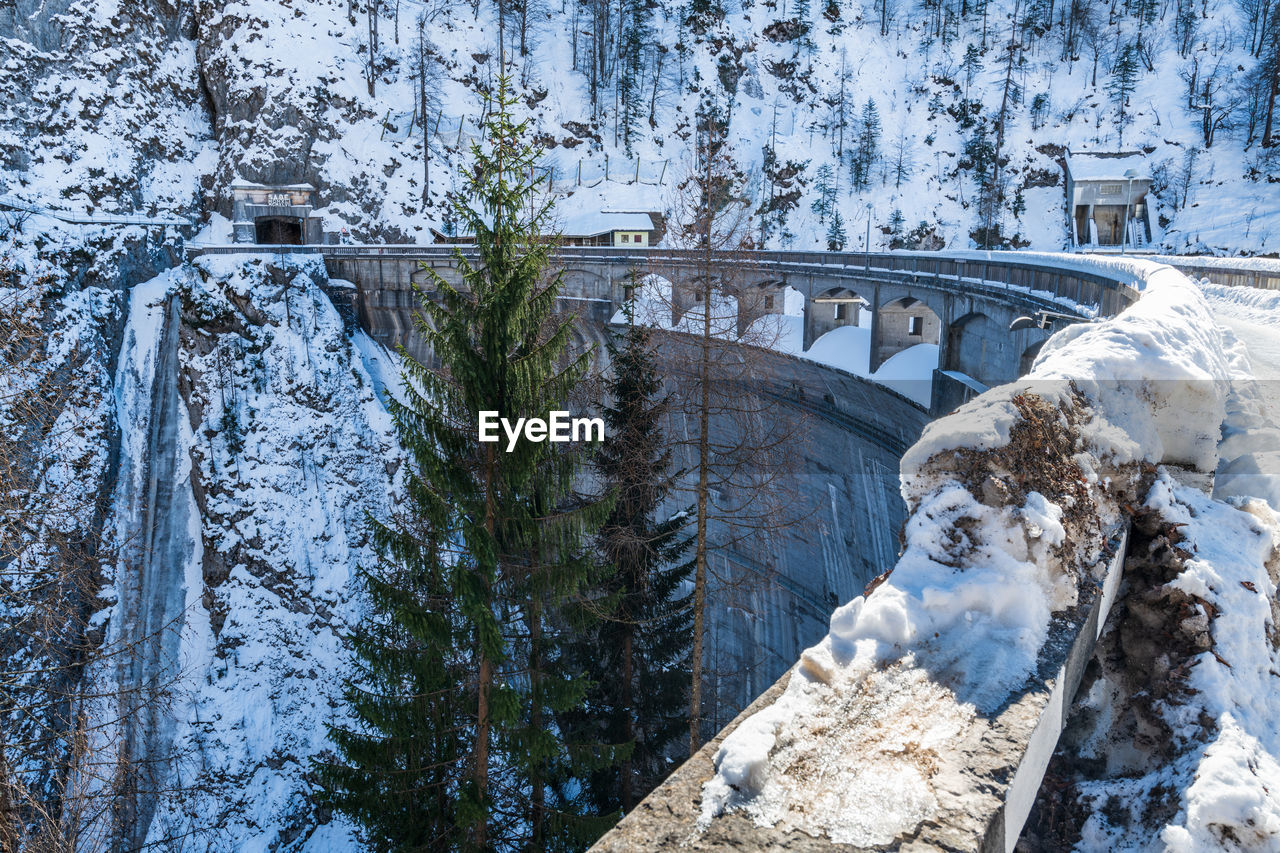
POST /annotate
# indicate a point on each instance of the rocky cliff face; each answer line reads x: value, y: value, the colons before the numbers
x: 58, y: 447
x: 287, y: 96
x: 104, y: 108
x: 279, y: 451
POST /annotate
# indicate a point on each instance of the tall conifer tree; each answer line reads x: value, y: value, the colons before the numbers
x: 459, y: 675
x: 638, y: 655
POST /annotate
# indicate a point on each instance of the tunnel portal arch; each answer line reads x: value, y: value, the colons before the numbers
x: 278, y: 230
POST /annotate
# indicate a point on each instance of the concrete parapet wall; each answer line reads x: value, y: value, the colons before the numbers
x: 926, y: 717
x: 981, y: 807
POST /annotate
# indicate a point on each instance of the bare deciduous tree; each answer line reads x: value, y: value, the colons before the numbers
x: 736, y: 442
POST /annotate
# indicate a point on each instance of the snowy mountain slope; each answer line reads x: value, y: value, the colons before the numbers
x: 280, y: 423
x: 102, y: 109
x: 293, y: 102
x: 133, y: 108
x: 57, y: 448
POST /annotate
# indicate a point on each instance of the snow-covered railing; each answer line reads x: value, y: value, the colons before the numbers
x: 1234, y: 272
x: 927, y: 715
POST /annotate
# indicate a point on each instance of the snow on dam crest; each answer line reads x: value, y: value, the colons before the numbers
x: 908, y: 721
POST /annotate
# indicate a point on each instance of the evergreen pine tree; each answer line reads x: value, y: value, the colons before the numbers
x: 866, y: 152
x: 869, y: 137
x: 1146, y: 11
x: 896, y: 224
x: 783, y: 186
x: 836, y: 238
x: 980, y: 156
x: 638, y: 36
x: 398, y: 777
x: 971, y: 65
x: 804, y: 16
x: 459, y: 670
x: 638, y: 656
x: 824, y: 192
x: 1124, y: 77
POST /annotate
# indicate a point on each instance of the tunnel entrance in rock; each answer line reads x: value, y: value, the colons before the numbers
x: 278, y: 230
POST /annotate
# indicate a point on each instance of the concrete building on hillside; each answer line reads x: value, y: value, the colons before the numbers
x: 1104, y: 191
x: 274, y: 214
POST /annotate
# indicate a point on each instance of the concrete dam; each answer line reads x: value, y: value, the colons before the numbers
x: 837, y: 510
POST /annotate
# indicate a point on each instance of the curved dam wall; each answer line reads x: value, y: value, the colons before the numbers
x: 838, y: 517
x: 771, y: 595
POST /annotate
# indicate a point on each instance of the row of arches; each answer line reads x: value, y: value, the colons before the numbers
x: 903, y: 338
x: 974, y: 344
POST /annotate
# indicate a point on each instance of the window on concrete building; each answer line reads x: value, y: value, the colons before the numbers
x: 626, y: 238
x: 915, y: 326
x: 768, y: 303
x: 841, y: 310
x: 1110, y: 189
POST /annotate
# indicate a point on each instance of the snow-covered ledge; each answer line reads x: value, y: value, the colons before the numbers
x: 907, y: 725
